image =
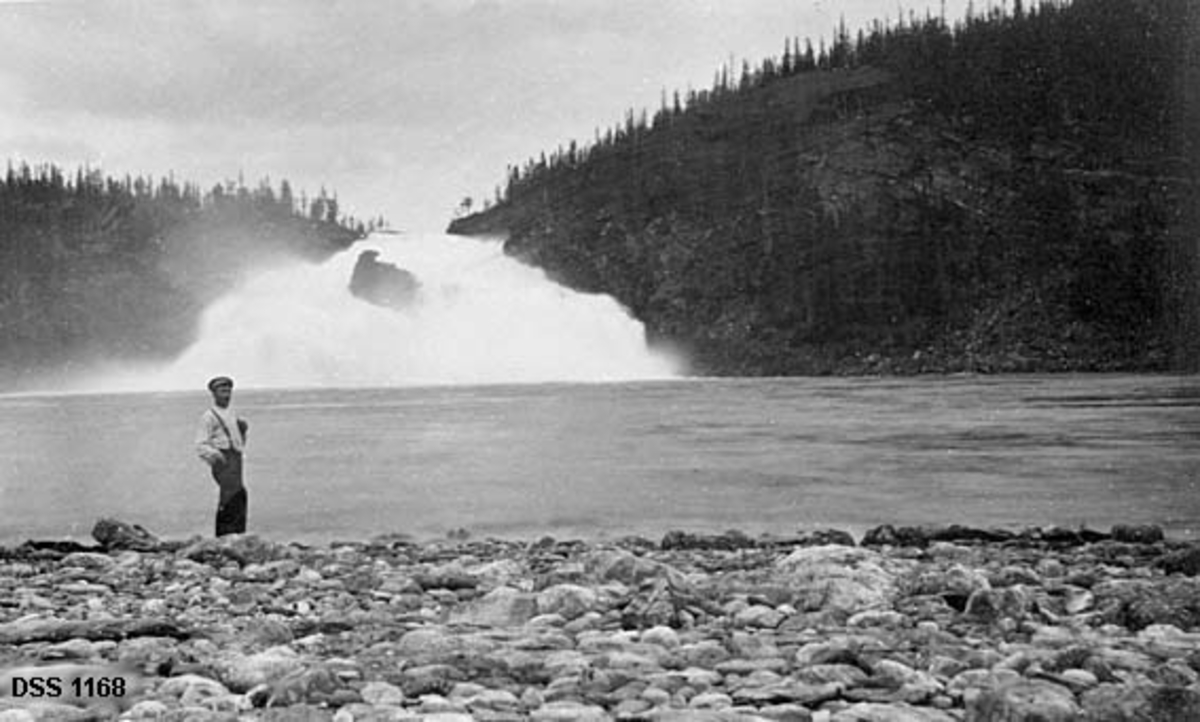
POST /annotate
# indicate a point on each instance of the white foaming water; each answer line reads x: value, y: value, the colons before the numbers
x: 479, y: 317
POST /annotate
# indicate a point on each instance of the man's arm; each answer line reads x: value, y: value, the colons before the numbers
x: 205, y: 448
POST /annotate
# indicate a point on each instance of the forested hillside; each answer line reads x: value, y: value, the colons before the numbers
x: 1015, y: 191
x: 95, y: 268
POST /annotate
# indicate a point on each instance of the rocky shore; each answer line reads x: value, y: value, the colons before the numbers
x: 909, y: 624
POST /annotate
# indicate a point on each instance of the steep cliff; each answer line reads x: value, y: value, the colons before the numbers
x: 1009, y: 194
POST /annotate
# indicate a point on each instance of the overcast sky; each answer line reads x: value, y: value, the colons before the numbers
x: 402, y: 107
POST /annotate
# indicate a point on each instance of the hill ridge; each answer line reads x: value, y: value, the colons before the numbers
x: 1009, y: 194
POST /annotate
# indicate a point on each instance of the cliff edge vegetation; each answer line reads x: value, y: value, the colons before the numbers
x: 1013, y: 192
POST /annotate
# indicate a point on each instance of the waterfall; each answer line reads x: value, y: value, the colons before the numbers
x: 477, y: 317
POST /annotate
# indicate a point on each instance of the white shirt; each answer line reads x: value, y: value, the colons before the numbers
x: 218, y: 431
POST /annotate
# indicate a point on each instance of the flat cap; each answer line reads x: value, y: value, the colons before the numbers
x: 219, y: 381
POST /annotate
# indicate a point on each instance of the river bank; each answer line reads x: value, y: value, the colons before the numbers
x: 946, y: 623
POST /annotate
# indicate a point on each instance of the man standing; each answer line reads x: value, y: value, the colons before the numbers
x: 220, y: 442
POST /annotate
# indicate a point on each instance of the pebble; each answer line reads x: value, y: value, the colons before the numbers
x: 924, y: 625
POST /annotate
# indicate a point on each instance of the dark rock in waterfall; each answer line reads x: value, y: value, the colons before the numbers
x: 383, y: 284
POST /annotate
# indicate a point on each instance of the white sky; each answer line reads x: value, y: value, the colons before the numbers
x: 402, y: 107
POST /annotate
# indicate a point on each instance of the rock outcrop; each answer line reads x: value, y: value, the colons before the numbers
x: 383, y: 284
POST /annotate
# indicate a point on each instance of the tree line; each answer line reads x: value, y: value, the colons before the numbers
x: 34, y: 187
x: 97, y: 267
x: 1055, y: 68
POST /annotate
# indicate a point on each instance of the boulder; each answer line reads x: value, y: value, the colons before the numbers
x: 313, y: 685
x: 46, y: 712
x: 705, y: 654
x: 370, y: 713
x: 1026, y: 700
x: 846, y: 675
x: 452, y: 580
x: 150, y: 709
x: 1137, y: 604
x: 1136, y: 702
x: 267, y: 633
x: 567, y: 600
x: 710, y: 700
x: 72, y: 649
x: 192, y: 687
x: 752, y: 646
x: 663, y: 602
x: 90, y: 561
x: 955, y: 584
x: 428, y: 643
x: 36, y: 629
x: 825, y: 537
x: 922, y: 536
x: 241, y: 549
x: 662, y: 636
x: 992, y: 605
x: 789, y: 692
x: 382, y: 693
x: 501, y: 607
x: 888, y: 535
x: 609, y: 565
x: 566, y: 711
x: 498, y: 700
x: 844, y: 580
x: 1168, y: 642
x: 839, y: 649
x: 897, y: 712
x: 959, y: 533
x: 382, y: 284
x: 1137, y: 534
x: 431, y: 679
x: 296, y: 713
x: 969, y: 683
x: 1184, y: 561
x: 241, y: 672
x: 116, y: 534
x: 435, y: 645
x: 758, y: 615
x: 728, y: 541
x: 1013, y: 574
x: 501, y: 572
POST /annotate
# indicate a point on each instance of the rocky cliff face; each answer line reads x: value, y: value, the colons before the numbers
x: 991, y: 199
x: 906, y: 247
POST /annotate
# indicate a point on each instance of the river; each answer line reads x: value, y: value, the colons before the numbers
x: 599, y: 460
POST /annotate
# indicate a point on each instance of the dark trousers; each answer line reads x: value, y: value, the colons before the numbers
x: 233, y: 501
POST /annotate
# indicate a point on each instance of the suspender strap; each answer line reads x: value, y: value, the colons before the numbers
x: 224, y: 428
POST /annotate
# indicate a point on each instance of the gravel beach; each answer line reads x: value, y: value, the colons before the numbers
x: 906, y: 624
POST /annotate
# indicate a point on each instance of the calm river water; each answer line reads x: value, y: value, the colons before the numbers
x: 601, y: 460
